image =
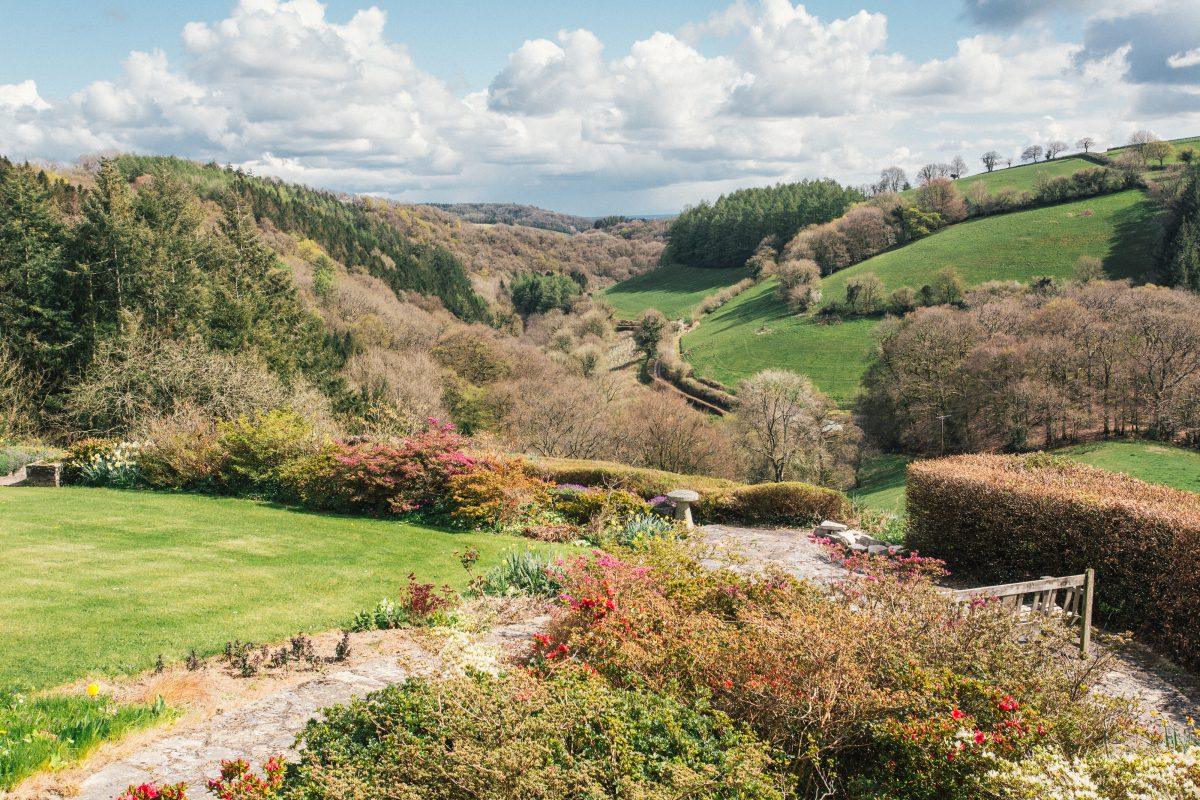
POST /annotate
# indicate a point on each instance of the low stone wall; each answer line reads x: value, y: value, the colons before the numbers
x: 43, y: 474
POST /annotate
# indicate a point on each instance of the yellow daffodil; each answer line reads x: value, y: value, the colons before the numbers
x: 93, y: 689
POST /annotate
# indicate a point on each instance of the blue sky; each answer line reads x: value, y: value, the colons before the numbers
x: 587, y: 107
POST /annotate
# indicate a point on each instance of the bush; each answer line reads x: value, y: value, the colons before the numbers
x: 81, y: 453
x: 523, y: 573
x: 788, y: 503
x: 497, y: 493
x: 418, y: 604
x: 607, y: 474
x: 1049, y: 774
x: 116, y: 467
x: 182, y: 451
x: 512, y: 736
x: 257, y: 448
x: 1001, y: 518
x: 582, y: 505
x: 640, y: 530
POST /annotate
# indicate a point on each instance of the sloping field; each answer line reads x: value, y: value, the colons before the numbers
x: 1023, y: 178
x: 1192, y: 142
x: 674, y: 290
x: 755, y: 330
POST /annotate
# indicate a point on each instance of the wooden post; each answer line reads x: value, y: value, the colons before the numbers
x: 1089, y: 587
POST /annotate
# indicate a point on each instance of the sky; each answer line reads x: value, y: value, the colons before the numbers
x: 589, y: 108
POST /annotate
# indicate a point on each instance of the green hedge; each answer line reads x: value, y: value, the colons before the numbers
x: 790, y: 503
x: 1000, y: 518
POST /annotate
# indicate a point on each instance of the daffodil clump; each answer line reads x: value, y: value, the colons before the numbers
x: 117, y: 467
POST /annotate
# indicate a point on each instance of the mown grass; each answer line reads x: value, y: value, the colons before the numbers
x: 49, y: 732
x: 756, y: 331
x: 1148, y: 461
x: 674, y: 290
x: 97, y: 581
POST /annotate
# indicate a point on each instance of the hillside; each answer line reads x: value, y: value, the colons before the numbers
x: 674, y: 290
x: 516, y: 214
x: 1189, y: 142
x: 756, y: 330
x: 1023, y: 178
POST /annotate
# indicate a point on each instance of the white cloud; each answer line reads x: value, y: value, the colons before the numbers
x: 759, y: 92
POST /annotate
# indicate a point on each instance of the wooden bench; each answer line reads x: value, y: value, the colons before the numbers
x: 1068, y: 598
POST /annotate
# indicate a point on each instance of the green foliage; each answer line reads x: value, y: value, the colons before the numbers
x: 788, y: 503
x: 524, y: 572
x: 572, y: 736
x: 1181, y: 256
x: 535, y: 293
x: 638, y: 480
x: 52, y: 731
x: 256, y: 451
x: 727, y: 232
x: 649, y: 331
x: 584, y: 506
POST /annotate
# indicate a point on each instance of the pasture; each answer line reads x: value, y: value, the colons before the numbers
x: 674, y: 290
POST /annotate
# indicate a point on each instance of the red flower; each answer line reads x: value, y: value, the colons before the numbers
x: 1007, y: 703
x: 980, y: 737
x: 956, y: 714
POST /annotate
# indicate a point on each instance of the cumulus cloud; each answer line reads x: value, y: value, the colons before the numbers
x: 760, y: 91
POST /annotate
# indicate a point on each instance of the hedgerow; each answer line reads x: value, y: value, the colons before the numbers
x: 1018, y: 517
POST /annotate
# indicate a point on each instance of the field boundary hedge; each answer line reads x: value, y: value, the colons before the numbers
x: 999, y: 518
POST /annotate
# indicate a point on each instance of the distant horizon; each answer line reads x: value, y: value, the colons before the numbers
x: 571, y: 108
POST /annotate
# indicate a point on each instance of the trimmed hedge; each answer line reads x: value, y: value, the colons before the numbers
x: 611, y: 475
x: 789, y: 503
x: 1000, y: 518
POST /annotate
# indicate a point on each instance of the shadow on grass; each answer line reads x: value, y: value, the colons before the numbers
x: 1134, y: 243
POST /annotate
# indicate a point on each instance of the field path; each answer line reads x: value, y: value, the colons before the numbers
x: 268, y: 725
x: 1169, y: 693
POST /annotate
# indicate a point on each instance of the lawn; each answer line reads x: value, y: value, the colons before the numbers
x: 881, y: 483
x: 98, y: 581
x: 674, y: 290
x: 756, y: 331
x: 1148, y: 461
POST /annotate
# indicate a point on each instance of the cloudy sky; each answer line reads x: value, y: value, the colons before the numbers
x: 622, y: 106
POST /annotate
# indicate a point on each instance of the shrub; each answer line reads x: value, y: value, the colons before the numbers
x: 1049, y: 774
x: 788, y: 503
x: 497, y: 493
x: 582, y: 505
x: 153, y: 791
x: 182, y: 451
x: 640, y: 530
x: 523, y: 573
x: 418, y: 604
x: 1019, y: 517
x: 238, y: 782
x: 607, y: 474
x: 256, y: 449
x: 81, y: 453
x: 513, y: 736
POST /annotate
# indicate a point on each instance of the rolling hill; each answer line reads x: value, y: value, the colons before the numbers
x: 673, y: 289
x: 756, y: 330
x: 1190, y: 142
x: 1023, y: 178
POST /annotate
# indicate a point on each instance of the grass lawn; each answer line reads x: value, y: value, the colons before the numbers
x: 1024, y: 177
x: 881, y: 483
x: 1147, y: 461
x: 97, y: 581
x: 755, y: 330
x: 674, y: 290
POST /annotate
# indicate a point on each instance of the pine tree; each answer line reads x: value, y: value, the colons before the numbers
x: 1182, y: 261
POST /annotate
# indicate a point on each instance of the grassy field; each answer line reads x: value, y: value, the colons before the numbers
x: 674, y: 290
x: 756, y: 331
x: 1192, y: 142
x: 881, y: 480
x: 97, y: 581
x: 1024, y: 177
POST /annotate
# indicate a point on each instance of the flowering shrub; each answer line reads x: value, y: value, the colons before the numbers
x: 117, y: 467
x: 255, y: 450
x: 418, y: 604
x: 1050, y: 774
x: 152, y: 791
x: 514, y: 737
x: 238, y: 782
x: 81, y: 453
x: 498, y: 493
x: 182, y: 451
x: 637, y: 531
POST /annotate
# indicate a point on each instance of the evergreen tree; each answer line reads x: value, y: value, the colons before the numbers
x: 1182, y: 253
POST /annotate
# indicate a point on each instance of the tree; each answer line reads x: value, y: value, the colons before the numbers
x: 1054, y: 148
x: 947, y: 287
x: 1182, y: 251
x: 1031, y: 153
x: 1087, y: 143
x: 779, y: 416
x: 648, y: 333
x: 892, y: 179
x: 534, y: 293
x: 1139, y: 139
x: 940, y: 196
x: 1157, y: 150
x: 864, y: 294
x: 799, y: 283
x: 1187, y: 155
x: 958, y: 167
x: 927, y: 173
x: 990, y: 159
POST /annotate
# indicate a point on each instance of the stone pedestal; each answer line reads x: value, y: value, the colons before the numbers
x: 683, y: 499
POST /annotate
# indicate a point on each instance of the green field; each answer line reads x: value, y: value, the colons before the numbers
x: 674, y: 290
x: 1023, y: 178
x: 881, y: 480
x: 1192, y: 142
x: 97, y: 581
x: 756, y: 331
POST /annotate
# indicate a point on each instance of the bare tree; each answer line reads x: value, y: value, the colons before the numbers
x: 1008, y: 162
x: 990, y: 159
x: 944, y: 170
x: 958, y: 167
x: 1157, y: 150
x: 779, y: 417
x: 892, y: 179
x: 1031, y: 153
x: 927, y: 173
x: 1054, y: 148
x: 1087, y: 143
x: 1139, y: 139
